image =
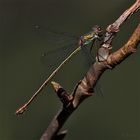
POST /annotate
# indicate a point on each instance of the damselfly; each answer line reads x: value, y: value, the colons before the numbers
x: 84, y: 41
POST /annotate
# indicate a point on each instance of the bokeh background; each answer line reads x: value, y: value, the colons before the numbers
x: 23, y: 45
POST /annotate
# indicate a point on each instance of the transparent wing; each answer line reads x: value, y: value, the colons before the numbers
x: 54, y: 57
x: 64, y: 43
x: 53, y: 36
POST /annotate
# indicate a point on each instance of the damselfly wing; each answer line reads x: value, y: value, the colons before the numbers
x: 65, y: 43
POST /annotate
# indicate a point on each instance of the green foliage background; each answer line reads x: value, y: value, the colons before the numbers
x: 115, y: 116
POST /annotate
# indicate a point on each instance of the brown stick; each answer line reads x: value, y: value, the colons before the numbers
x: 116, y: 25
x: 129, y: 48
x: 112, y: 29
x: 84, y: 88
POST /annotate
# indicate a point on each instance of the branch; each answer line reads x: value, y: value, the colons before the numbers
x: 129, y: 48
x: 84, y: 88
x: 112, y: 29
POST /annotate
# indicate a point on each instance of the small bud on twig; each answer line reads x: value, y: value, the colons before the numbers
x: 65, y: 98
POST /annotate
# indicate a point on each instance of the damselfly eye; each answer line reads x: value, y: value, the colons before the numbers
x: 97, y: 29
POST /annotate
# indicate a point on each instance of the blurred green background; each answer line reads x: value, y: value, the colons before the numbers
x: 116, y: 116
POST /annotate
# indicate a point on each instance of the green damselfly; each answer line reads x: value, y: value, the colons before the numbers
x: 84, y: 41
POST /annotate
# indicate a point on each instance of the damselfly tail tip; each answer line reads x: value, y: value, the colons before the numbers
x: 21, y: 110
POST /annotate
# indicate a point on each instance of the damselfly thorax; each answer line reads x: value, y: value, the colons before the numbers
x: 91, y: 36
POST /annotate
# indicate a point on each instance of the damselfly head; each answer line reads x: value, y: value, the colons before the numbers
x: 97, y: 29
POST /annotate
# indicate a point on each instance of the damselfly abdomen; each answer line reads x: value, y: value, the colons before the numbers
x: 84, y: 41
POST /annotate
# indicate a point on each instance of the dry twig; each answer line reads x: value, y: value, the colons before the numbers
x: 84, y: 88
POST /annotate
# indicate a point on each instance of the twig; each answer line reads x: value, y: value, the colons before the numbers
x: 112, y: 29
x: 85, y: 87
x: 129, y: 48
